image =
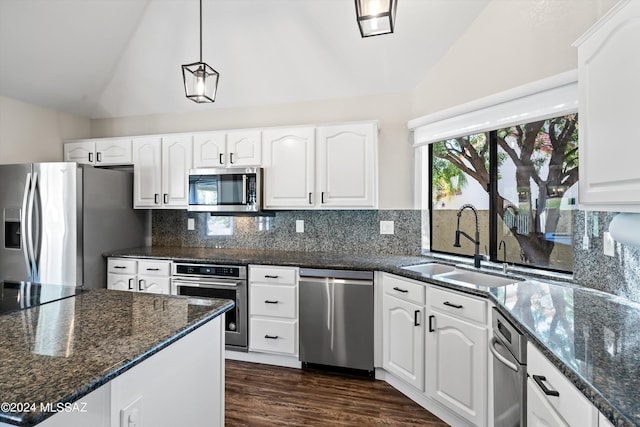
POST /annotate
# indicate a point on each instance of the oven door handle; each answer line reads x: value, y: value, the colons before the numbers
x: 203, y: 284
x: 508, y: 363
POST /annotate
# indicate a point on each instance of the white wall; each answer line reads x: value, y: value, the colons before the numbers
x: 392, y: 111
x: 29, y: 133
x: 511, y: 42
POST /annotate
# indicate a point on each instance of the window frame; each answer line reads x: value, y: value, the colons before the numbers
x: 543, y: 99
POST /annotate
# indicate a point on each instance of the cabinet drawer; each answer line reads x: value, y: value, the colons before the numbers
x: 154, y: 268
x: 273, y: 300
x: 279, y: 275
x: 570, y: 403
x: 404, y: 289
x: 121, y: 266
x: 457, y: 304
x: 273, y: 336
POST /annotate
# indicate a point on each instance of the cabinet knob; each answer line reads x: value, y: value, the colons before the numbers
x: 221, y: 158
x: 98, y: 157
x: 270, y: 302
x: 165, y: 198
x: 231, y: 158
x: 90, y: 157
x: 156, y: 198
x: 271, y: 337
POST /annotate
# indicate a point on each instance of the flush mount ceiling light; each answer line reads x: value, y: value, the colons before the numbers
x: 376, y: 17
x: 200, y: 80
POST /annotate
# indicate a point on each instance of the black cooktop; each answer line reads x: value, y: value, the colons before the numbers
x: 21, y: 295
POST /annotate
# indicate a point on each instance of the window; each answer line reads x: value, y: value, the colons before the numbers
x: 522, y: 182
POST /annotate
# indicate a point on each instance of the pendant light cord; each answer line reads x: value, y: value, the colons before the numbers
x: 200, y: 30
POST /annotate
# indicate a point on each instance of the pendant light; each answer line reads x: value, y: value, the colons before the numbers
x: 376, y: 17
x: 200, y: 80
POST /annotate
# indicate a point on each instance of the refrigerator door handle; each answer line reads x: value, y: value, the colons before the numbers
x: 24, y: 230
x: 33, y: 275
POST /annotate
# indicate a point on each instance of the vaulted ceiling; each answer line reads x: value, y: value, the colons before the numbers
x: 114, y: 58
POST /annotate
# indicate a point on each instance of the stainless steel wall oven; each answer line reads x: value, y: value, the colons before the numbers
x: 217, y: 281
x: 509, y: 349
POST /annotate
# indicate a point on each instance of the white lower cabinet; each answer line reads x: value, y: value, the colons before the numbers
x: 273, y: 309
x: 403, y: 330
x: 551, y: 398
x: 139, y: 275
x: 155, y: 393
x: 456, y: 354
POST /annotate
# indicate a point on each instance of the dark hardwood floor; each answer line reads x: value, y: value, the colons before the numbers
x: 265, y: 396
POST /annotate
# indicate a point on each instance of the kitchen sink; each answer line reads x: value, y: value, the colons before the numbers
x: 476, y: 278
x: 430, y: 269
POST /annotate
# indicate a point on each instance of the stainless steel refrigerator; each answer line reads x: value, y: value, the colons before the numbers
x: 59, y: 218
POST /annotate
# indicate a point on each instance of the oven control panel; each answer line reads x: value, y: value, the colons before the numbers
x: 211, y: 270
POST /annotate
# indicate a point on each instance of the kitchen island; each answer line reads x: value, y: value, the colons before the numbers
x: 106, y: 358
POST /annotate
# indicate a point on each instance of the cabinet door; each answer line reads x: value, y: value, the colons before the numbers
x: 79, y: 152
x: 121, y: 282
x: 402, y: 340
x: 147, y: 172
x: 113, y: 152
x: 456, y: 365
x: 608, y: 92
x: 176, y: 162
x: 289, y: 168
x: 209, y: 150
x: 244, y: 148
x: 347, y: 166
x: 154, y: 285
x: 540, y: 413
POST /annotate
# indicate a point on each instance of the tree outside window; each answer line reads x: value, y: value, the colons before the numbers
x: 527, y: 211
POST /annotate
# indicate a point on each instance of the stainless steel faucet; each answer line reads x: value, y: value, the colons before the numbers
x: 476, y: 254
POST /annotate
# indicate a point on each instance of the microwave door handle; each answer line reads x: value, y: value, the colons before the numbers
x: 244, y: 189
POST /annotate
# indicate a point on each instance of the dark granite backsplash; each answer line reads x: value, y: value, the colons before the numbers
x: 343, y: 231
x: 358, y: 232
x: 620, y: 274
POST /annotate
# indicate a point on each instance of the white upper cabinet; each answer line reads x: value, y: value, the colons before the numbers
x: 609, y: 90
x: 161, y: 166
x: 289, y: 168
x: 147, y: 172
x: 209, y: 150
x: 244, y: 148
x: 326, y: 167
x: 99, y: 152
x: 227, y: 149
x: 176, y: 162
x: 347, y: 166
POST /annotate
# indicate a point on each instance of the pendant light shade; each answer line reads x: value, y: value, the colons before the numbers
x: 376, y: 17
x: 200, y: 80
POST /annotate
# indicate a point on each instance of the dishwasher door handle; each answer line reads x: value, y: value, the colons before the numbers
x: 508, y: 363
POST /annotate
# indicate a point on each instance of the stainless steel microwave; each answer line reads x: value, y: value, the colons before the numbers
x: 225, y: 190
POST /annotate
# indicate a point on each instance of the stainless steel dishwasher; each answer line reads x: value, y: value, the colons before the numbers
x: 336, y: 319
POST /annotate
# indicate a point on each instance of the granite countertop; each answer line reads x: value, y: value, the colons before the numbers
x: 60, y: 351
x: 591, y: 336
